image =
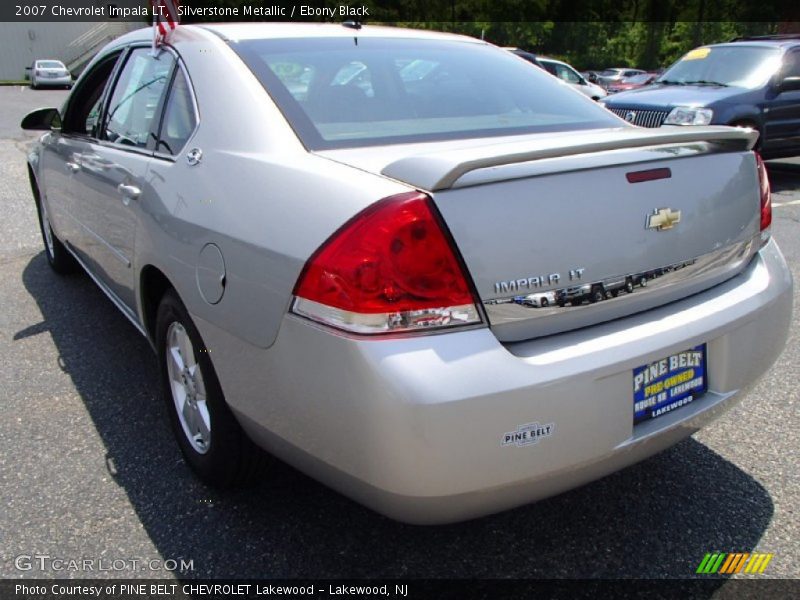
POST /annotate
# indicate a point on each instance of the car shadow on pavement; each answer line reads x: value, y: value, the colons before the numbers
x: 655, y: 519
x: 783, y: 176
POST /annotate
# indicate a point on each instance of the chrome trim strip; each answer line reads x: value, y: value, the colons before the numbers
x: 626, y: 291
x: 129, y: 314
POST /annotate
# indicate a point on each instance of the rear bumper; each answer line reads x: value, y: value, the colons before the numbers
x: 45, y: 81
x: 413, y: 427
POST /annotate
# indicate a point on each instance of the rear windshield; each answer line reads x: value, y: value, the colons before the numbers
x: 50, y: 64
x: 740, y: 66
x: 337, y: 93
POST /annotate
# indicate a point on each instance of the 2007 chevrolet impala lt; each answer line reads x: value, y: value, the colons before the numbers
x: 410, y: 264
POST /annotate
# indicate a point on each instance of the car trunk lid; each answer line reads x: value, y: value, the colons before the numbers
x: 566, y: 232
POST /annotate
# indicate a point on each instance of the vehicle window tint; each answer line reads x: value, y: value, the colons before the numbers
x: 93, y: 118
x: 415, y: 70
x: 179, y: 117
x: 739, y: 66
x: 336, y: 93
x: 82, y: 115
x: 550, y: 68
x: 296, y: 76
x: 133, y: 108
x: 567, y: 74
x: 791, y: 65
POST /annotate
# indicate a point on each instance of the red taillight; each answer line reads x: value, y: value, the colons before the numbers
x: 765, y: 195
x: 390, y: 268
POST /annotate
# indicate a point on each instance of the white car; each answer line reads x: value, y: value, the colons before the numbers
x: 50, y: 73
x: 566, y: 73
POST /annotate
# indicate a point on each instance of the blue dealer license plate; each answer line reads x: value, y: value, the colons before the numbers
x: 669, y: 383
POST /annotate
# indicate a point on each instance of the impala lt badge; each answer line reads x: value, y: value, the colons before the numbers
x: 663, y: 218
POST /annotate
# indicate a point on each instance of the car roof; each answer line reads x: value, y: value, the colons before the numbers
x: 255, y: 31
x: 232, y: 32
x: 787, y: 40
x: 755, y: 44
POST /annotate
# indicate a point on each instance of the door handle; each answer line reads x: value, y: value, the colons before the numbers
x: 129, y: 191
x: 74, y: 167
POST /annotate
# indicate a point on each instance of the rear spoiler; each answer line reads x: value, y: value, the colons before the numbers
x: 434, y: 172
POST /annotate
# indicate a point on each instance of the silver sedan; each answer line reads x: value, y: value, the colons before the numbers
x: 322, y: 229
x: 50, y: 73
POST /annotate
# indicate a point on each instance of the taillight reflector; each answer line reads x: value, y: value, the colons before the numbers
x: 765, y: 196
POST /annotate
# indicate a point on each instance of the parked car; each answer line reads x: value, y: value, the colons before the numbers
x: 49, y: 73
x: 529, y: 56
x: 566, y: 73
x: 753, y: 82
x: 327, y: 274
x: 592, y: 76
x: 580, y: 293
x: 613, y: 75
x: 540, y: 300
x: 632, y: 83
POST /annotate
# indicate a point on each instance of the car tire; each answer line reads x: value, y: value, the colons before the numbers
x: 543, y: 302
x: 210, y: 438
x: 629, y: 287
x: 58, y: 257
x: 598, y: 295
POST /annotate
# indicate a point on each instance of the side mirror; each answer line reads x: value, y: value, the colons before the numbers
x: 789, y: 84
x: 42, y: 119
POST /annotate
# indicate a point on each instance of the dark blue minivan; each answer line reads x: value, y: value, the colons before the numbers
x: 749, y: 82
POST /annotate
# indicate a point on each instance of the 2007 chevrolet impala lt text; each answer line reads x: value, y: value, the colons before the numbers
x: 410, y: 264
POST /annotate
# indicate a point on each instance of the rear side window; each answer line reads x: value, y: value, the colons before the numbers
x: 180, y: 119
x: 132, y: 114
x: 791, y: 64
x: 336, y: 93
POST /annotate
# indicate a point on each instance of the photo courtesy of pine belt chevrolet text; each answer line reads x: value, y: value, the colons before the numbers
x: 413, y: 265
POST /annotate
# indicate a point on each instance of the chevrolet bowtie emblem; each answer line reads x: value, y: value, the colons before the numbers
x: 663, y: 218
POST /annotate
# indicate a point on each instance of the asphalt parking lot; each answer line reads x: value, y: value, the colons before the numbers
x: 89, y: 469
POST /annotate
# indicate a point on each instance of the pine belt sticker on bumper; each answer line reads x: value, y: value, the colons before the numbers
x: 528, y: 434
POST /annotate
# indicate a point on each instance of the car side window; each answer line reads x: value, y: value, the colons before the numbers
x: 568, y: 75
x: 132, y: 115
x: 791, y: 64
x: 180, y: 119
x: 82, y: 114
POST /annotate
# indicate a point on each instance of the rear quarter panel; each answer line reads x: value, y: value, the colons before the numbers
x: 257, y: 194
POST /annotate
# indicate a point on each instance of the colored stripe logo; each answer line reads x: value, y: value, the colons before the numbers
x: 728, y: 563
